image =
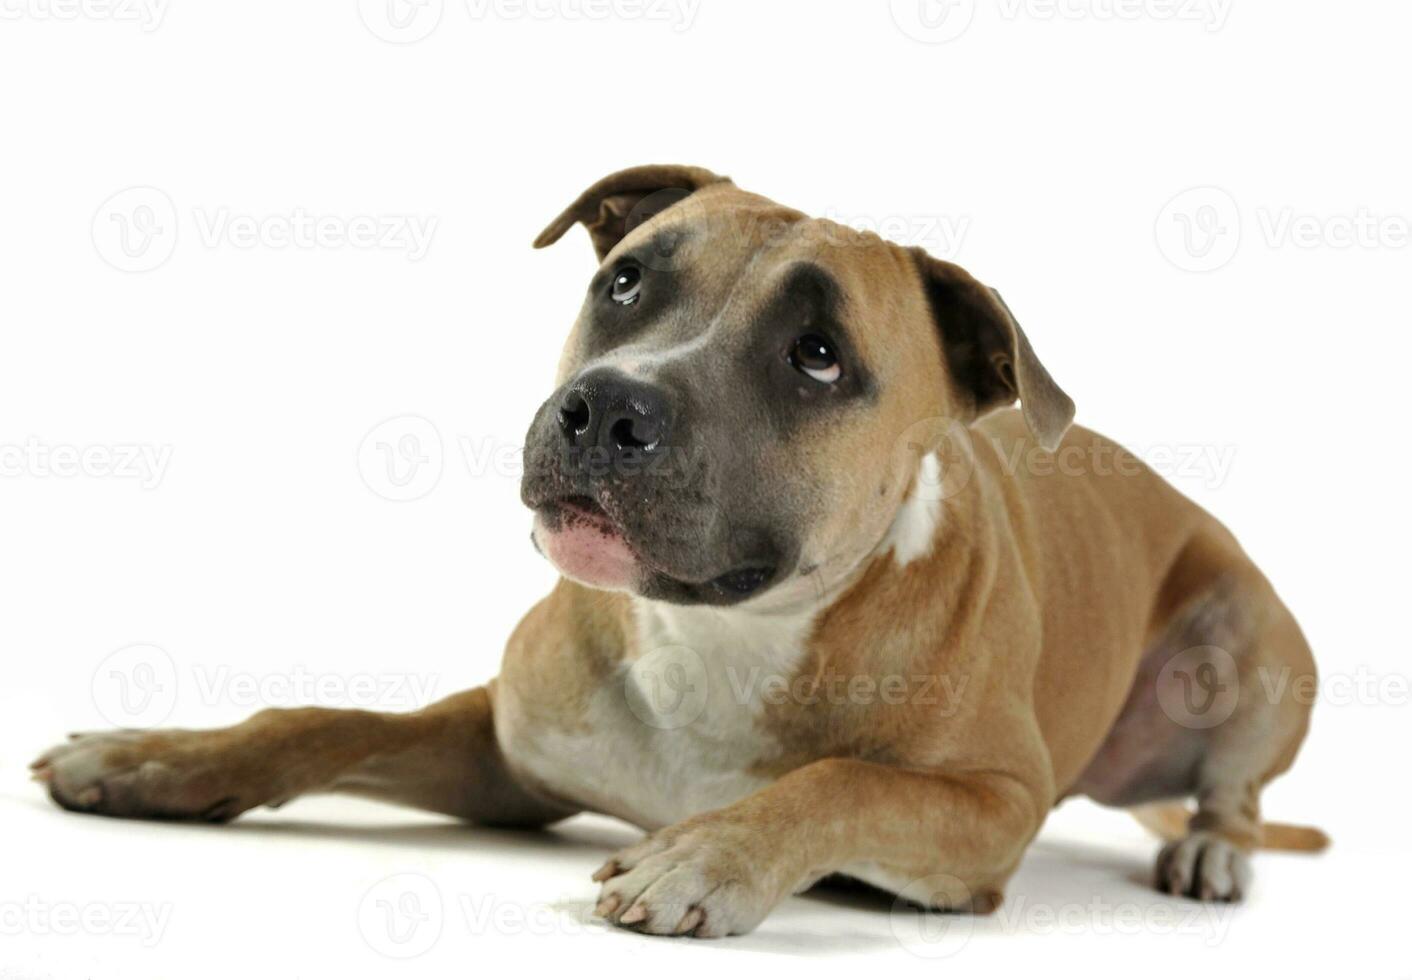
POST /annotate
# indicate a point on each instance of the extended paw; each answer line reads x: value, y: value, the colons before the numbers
x: 1205, y: 866
x: 703, y: 878
x: 174, y: 775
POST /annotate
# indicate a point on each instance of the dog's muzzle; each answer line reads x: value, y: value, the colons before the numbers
x: 622, y: 503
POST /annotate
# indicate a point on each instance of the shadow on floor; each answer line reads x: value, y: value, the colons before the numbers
x: 1055, y: 872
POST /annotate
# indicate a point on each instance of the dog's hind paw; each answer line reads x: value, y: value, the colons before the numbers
x: 1204, y: 866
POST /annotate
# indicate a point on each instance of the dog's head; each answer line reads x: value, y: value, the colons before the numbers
x: 732, y: 401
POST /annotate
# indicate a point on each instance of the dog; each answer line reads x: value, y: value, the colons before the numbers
x: 829, y: 604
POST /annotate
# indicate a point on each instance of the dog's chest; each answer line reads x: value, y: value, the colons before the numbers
x: 677, y: 729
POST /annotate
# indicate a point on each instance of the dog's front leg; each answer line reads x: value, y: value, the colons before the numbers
x: 946, y: 840
x: 443, y: 758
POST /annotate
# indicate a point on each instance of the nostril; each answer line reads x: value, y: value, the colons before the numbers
x: 634, y: 433
x: 574, y: 415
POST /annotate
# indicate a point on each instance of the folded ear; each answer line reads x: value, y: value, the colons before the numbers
x: 989, y: 357
x: 620, y: 202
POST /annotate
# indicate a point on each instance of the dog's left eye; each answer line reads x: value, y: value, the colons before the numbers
x: 627, y: 286
x: 814, y: 356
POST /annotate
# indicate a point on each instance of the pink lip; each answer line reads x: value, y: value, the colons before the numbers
x: 588, y: 547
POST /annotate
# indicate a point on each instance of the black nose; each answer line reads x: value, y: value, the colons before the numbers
x: 624, y: 418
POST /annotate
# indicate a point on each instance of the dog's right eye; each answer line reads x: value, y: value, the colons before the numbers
x: 627, y: 286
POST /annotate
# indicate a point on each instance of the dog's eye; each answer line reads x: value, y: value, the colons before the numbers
x: 815, y: 356
x: 627, y: 286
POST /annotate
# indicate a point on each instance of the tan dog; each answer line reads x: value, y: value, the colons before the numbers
x: 828, y: 606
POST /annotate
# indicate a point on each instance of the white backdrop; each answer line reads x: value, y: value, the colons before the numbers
x: 254, y: 254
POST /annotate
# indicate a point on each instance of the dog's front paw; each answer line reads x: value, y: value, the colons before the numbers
x: 706, y: 877
x: 172, y: 775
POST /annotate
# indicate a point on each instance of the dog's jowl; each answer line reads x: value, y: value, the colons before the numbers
x: 813, y: 618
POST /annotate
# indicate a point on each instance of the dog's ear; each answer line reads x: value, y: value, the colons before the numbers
x: 620, y: 202
x: 989, y: 357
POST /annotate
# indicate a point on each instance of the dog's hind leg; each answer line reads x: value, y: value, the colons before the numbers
x: 444, y: 758
x: 1235, y: 672
x: 1218, y: 708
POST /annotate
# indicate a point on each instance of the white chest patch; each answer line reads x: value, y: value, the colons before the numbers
x: 914, y: 528
x: 674, y: 732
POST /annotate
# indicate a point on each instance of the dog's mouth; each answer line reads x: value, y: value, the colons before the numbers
x: 583, y: 508
x: 587, y: 544
x: 584, y: 543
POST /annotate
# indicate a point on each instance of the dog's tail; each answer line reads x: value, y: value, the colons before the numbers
x: 1169, y: 822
